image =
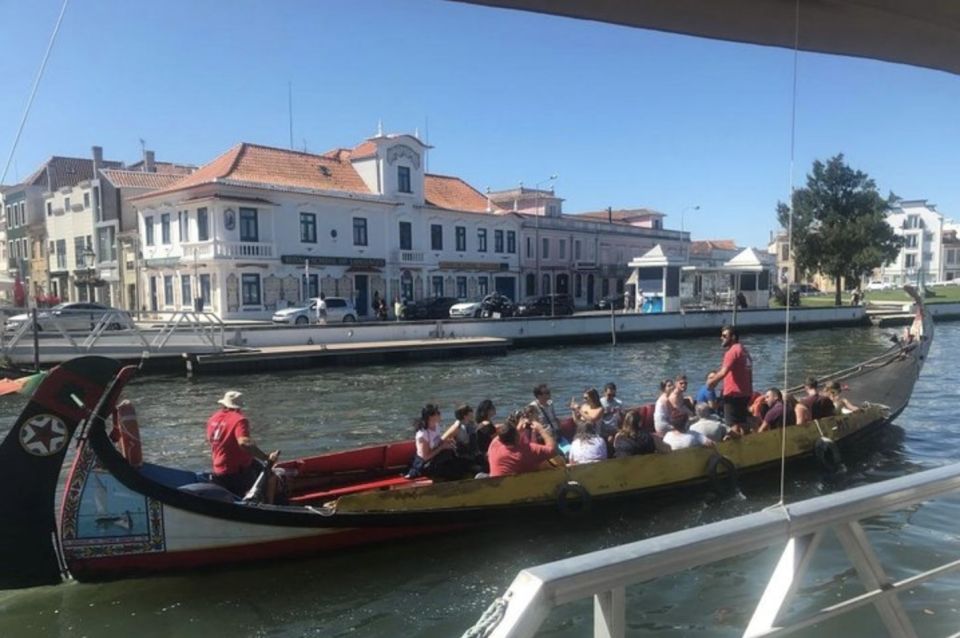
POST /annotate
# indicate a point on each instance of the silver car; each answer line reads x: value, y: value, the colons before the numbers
x: 339, y: 310
x: 74, y: 316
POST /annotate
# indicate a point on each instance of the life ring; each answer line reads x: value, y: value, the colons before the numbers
x: 722, y: 482
x: 828, y: 454
x: 573, y: 499
x: 126, y: 433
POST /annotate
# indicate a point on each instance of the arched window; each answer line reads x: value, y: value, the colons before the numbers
x: 546, y: 284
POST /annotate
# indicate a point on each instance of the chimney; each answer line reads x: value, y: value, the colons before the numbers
x: 148, y: 162
x: 97, y: 159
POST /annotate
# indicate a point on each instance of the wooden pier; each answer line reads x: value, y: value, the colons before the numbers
x: 336, y: 354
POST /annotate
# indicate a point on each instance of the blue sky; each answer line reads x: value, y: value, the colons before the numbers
x: 624, y: 117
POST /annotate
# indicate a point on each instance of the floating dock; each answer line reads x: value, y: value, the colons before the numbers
x: 309, y: 356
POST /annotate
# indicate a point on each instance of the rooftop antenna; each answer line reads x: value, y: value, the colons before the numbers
x: 380, y: 127
x: 143, y: 146
x: 290, y: 110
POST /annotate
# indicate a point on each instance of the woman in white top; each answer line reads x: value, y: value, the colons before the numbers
x: 434, y: 452
x: 663, y: 411
x: 588, y: 446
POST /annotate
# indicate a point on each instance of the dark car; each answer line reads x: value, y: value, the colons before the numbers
x: 497, y: 305
x: 614, y: 301
x: 547, y: 305
x: 429, y: 308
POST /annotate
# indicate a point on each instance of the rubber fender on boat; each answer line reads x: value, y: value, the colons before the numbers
x: 126, y: 432
x: 725, y: 481
x: 573, y: 499
x: 828, y: 454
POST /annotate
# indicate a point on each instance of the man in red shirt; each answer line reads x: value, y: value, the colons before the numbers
x: 233, y: 451
x: 737, y: 375
x: 511, y: 453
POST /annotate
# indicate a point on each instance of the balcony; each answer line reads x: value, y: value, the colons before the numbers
x: 217, y: 249
x: 411, y: 257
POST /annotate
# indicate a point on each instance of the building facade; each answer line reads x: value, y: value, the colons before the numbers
x: 929, y: 254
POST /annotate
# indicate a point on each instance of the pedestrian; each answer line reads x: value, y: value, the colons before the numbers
x: 736, y: 372
x: 322, y: 309
x: 233, y: 452
x: 397, y: 307
x: 627, y: 301
x: 382, y: 310
x: 640, y: 300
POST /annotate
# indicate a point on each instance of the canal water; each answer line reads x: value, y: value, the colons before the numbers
x: 439, y: 586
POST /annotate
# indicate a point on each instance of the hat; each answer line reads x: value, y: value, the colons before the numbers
x: 232, y: 399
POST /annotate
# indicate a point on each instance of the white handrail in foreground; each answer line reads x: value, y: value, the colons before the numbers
x: 604, y: 574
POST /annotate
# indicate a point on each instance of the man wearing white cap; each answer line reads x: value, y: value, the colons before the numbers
x: 233, y: 451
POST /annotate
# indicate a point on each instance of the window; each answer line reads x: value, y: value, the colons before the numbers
x: 913, y: 221
x: 403, y: 179
x: 165, y: 229
x: 910, y: 241
x: 359, y: 231
x: 49, y: 210
x: 546, y: 284
x: 910, y: 260
x: 436, y: 237
x: 66, y: 204
x: 437, y: 286
x: 482, y: 240
x: 576, y: 249
x: 531, y: 284
x: 546, y: 249
x: 96, y: 203
x: 578, y: 284
x: 483, y: 286
x: 148, y: 230
x: 205, y: 288
x: 61, y: 254
x: 311, y: 285
x: 461, y: 238
x: 250, y: 285
x: 186, y: 294
x: 498, y: 241
x: 183, y: 224
x: 250, y: 230
x: 462, y: 287
x: 784, y: 252
x: 23, y: 213
x: 951, y: 256
x: 529, y: 247
x: 106, y: 239
x: 308, y: 228
x: 552, y: 210
x: 203, y: 225
x: 406, y: 236
x: 563, y: 249
x: 79, y: 246
x: 168, y: 290
x: 512, y: 242
x: 86, y: 200
x: 605, y: 286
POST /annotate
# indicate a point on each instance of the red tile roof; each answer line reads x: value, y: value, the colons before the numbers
x: 253, y: 164
x: 453, y: 193
x: 139, y: 179
x: 707, y: 246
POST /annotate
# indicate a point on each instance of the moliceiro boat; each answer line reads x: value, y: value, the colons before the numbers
x: 122, y: 517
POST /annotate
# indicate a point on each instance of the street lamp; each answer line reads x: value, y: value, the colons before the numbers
x: 89, y: 257
x: 536, y: 188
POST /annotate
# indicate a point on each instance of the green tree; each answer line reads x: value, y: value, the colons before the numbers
x: 839, y: 223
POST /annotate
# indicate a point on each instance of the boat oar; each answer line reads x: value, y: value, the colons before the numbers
x: 259, y: 487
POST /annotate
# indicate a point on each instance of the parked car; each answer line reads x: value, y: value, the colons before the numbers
x: 807, y: 290
x: 879, y: 285
x: 429, y: 308
x: 466, y: 309
x: 339, y: 310
x: 546, y: 305
x: 74, y: 316
x: 606, y: 302
x: 496, y: 305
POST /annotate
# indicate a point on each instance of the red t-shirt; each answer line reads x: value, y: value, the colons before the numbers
x: 223, y: 429
x: 522, y: 456
x: 739, y: 379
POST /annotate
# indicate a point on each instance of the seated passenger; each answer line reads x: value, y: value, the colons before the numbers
x: 588, y: 446
x: 709, y: 425
x: 679, y: 438
x: 679, y: 399
x: 776, y: 409
x: 612, y: 410
x: 434, y: 457
x: 708, y: 395
x: 590, y: 411
x: 486, y: 430
x: 511, y: 453
x: 840, y: 403
x: 464, y: 433
x: 632, y: 439
x: 817, y: 406
x: 662, y: 411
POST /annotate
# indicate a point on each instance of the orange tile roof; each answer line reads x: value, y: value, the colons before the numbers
x: 252, y: 164
x: 707, y: 246
x: 453, y: 193
x: 622, y: 215
x: 139, y: 179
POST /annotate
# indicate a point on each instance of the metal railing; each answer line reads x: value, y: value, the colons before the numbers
x: 801, y: 526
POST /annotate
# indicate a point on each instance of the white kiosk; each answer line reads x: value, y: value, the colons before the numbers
x: 749, y: 281
x: 656, y: 277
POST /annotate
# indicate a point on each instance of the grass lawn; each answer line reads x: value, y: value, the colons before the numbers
x: 943, y: 294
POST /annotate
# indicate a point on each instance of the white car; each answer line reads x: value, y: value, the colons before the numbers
x: 339, y: 310
x: 74, y: 317
x: 466, y: 309
x: 879, y: 285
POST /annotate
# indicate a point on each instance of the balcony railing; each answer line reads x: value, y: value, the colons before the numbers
x: 410, y: 256
x: 216, y: 249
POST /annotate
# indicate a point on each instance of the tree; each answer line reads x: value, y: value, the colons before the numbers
x: 839, y: 223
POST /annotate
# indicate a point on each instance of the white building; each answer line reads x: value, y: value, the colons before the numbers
x: 930, y: 253
x: 260, y: 228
